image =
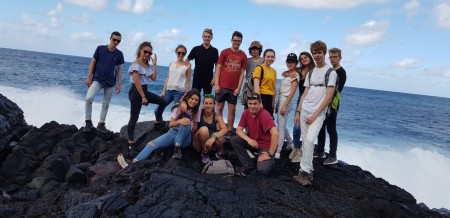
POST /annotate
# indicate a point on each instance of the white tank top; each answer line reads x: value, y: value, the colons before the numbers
x: 177, y: 77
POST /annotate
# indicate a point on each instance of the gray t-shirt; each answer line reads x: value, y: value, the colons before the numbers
x: 251, y: 66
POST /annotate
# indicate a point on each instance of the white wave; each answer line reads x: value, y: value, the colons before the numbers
x: 422, y: 173
x: 42, y: 105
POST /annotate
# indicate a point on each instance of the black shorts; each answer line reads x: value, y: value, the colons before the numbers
x: 226, y: 95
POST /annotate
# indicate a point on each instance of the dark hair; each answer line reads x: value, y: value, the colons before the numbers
x: 259, y: 49
x: 186, y: 97
x: 268, y: 50
x: 238, y: 34
x: 181, y: 46
x: 115, y: 33
x: 255, y: 96
x: 311, y: 60
x: 141, y: 46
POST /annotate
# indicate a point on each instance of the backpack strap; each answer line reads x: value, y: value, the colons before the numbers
x: 262, y: 74
x: 327, y: 76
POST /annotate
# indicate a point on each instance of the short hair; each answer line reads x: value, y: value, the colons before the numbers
x: 115, y: 33
x: 208, y: 30
x: 318, y: 46
x: 238, y: 34
x: 335, y: 50
x: 255, y: 96
x: 181, y: 46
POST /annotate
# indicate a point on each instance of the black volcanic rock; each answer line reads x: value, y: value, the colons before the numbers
x: 59, y: 171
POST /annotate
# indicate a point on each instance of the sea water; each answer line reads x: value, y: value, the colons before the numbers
x: 402, y: 138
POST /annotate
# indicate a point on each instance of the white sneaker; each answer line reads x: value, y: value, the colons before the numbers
x: 290, y: 146
x: 277, y: 155
x: 297, y: 156
x: 293, y: 152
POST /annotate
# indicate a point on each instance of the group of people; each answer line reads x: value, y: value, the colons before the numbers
x: 204, y: 128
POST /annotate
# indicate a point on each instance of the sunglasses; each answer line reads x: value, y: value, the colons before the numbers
x: 181, y: 53
x: 148, y: 52
x: 254, y: 97
x: 115, y: 40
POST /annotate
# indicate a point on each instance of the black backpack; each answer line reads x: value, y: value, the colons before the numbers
x: 248, y: 88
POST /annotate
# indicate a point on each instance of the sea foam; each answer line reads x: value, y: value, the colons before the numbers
x: 423, y: 173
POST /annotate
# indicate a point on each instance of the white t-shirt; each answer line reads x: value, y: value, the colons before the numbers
x: 286, y: 84
x: 316, y: 94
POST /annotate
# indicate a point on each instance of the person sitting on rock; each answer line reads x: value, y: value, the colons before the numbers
x: 182, y: 125
x: 263, y: 137
x: 211, y: 130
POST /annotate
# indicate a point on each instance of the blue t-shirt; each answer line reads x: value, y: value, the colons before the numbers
x: 106, y: 62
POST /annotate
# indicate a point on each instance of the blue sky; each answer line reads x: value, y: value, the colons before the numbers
x: 387, y: 44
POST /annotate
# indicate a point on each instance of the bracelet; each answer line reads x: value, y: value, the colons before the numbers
x: 297, y: 111
x: 215, y: 137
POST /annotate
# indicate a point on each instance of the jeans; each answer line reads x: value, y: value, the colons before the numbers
x: 136, y: 105
x: 180, y: 136
x: 93, y: 90
x: 240, y: 146
x: 281, y: 121
x: 330, y: 125
x: 309, y: 135
x: 296, y: 131
x: 171, y: 95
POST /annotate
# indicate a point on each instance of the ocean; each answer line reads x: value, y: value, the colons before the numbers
x: 402, y: 138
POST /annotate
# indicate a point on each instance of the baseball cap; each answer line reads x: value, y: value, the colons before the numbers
x: 256, y: 44
x: 292, y: 57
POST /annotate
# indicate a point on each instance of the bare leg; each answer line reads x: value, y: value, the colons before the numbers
x: 231, y: 114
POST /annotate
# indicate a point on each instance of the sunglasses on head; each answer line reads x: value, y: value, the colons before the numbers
x: 148, y: 52
x: 209, y: 96
x: 181, y: 53
x: 253, y: 97
x: 115, y: 40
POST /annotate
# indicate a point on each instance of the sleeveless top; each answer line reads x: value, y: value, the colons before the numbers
x: 177, y: 77
x: 211, y: 126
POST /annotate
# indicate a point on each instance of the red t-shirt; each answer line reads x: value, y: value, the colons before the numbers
x: 258, y: 127
x: 232, y: 65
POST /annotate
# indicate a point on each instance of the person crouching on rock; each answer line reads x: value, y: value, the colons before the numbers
x: 211, y: 130
x: 263, y: 137
x: 182, y: 125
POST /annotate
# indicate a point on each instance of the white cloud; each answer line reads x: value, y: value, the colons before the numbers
x: 139, y: 7
x: 35, y: 26
x: 411, y: 7
x: 91, y: 4
x: 442, y: 14
x: 83, y: 36
x: 320, y: 4
x: 167, y: 35
x: 57, y: 11
x: 406, y: 63
x: 367, y: 34
x: 83, y: 18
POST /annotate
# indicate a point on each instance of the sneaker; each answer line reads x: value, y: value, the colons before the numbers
x: 219, y: 156
x: 297, y: 156
x: 303, y: 178
x: 122, y: 161
x: 88, y: 126
x: 330, y: 161
x: 277, y: 155
x: 205, y: 157
x: 177, y: 152
x: 293, y: 152
x: 101, y: 127
x: 319, y: 155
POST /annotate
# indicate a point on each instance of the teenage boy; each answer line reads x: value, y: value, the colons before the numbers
x: 312, y: 109
x: 106, y: 62
x: 330, y: 121
x: 228, y: 79
x: 205, y: 56
x: 263, y: 137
